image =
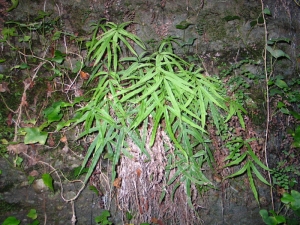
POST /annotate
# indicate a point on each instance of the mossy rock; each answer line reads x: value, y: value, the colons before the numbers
x: 8, y: 207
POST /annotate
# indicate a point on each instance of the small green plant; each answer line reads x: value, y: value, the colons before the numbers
x: 129, y: 215
x: 30, y: 179
x: 281, y: 176
x: 11, y: 220
x: 290, y: 201
x: 296, y: 135
x: 274, y: 219
x: 236, y: 157
x: 14, y: 5
x: 110, y: 43
x: 18, y: 35
x: 290, y: 96
x: 103, y: 219
x: 240, y: 78
x: 48, y: 181
x: 183, y: 25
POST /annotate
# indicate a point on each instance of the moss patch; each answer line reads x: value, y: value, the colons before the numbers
x: 8, y: 207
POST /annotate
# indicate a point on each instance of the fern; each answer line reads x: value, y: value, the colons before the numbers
x: 161, y: 86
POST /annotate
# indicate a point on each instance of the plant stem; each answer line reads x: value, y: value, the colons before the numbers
x: 267, y: 101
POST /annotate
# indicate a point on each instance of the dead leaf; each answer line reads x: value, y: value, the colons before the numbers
x: 52, y: 51
x: 28, y: 83
x: 4, y: 87
x: 156, y: 221
x: 144, y: 203
x: 217, y: 178
x: 153, y: 220
x: 22, y: 124
x: 51, y: 140
x: 281, y: 191
x: 9, y: 119
x: 138, y: 172
x: 78, y: 92
x: 117, y: 182
x: 34, y: 173
x: 65, y: 149
x: 140, y: 209
x: 84, y: 75
x: 159, y: 222
x: 49, y: 89
x: 18, y: 148
x: 64, y: 139
x: 24, y: 100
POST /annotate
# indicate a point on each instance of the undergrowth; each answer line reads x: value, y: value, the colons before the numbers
x: 160, y: 121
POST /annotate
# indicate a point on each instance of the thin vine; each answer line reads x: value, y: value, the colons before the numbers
x: 297, y: 2
x: 267, y: 101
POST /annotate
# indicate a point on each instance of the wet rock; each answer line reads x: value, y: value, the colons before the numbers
x: 39, y: 186
x: 70, y: 194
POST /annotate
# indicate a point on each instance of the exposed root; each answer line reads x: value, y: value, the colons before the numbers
x: 143, y: 182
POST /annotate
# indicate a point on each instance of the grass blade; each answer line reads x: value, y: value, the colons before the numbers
x: 239, y: 172
x: 157, y: 120
x: 172, y: 99
x: 252, y: 184
x: 176, y: 186
x: 118, y: 147
x: 257, y: 161
x: 133, y: 134
x: 258, y: 174
x: 237, y: 161
x: 188, y: 192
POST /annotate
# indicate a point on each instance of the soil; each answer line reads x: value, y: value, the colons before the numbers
x: 233, y: 204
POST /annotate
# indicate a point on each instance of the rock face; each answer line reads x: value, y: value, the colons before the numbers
x: 215, y: 31
x: 218, y: 31
x: 39, y: 186
x: 18, y: 197
x: 216, y: 25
